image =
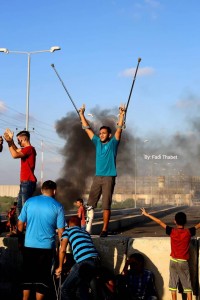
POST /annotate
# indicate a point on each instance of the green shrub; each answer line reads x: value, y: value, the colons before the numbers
x: 6, y: 203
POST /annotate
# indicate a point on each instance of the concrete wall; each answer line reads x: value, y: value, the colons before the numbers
x: 113, y: 251
x: 157, y: 254
x: 9, y: 190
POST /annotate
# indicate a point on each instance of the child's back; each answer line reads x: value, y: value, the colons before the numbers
x: 180, y: 241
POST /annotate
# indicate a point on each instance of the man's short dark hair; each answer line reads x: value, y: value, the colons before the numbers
x: 138, y: 257
x: 181, y: 218
x: 75, y: 220
x: 49, y: 185
x: 107, y: 128
x: 80, y: 200
x: 24, y: 133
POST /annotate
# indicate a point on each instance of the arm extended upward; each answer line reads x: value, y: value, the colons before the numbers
x: 85, y: 124
x: 158, y: 221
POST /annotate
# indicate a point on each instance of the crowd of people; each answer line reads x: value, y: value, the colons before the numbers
x: 44, y: 233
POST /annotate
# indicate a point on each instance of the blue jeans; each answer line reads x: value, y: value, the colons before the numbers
x: 26, y: 190
x: 81, y: 277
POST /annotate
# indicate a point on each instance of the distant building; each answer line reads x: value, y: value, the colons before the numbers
x: 9, y: 190
x: 172, y: 189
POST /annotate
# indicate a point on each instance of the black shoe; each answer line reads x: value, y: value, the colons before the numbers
x: 103, y: 234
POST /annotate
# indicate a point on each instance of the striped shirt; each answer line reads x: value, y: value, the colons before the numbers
x: 81, y: 243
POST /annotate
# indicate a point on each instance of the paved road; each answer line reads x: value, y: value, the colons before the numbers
x: 152, y: 229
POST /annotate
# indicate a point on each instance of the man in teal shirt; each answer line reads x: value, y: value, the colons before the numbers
x: 104, y: 180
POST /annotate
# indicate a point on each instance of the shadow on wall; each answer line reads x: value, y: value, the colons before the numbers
x: 193, y: 261
x: 112, y: 254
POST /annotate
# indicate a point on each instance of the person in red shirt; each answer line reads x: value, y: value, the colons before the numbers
x: 12, y: 219
x: 27, y: 154
x: 81, y: 212
x: 180, y: 241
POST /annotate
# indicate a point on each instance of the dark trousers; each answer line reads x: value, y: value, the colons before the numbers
x: 81, y: 277
x: 26, y: 191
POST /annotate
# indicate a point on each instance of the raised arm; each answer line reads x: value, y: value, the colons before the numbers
x: 15, y: 152
x: 120, y: 123
x: 158, y: 221
x: 85, y: 124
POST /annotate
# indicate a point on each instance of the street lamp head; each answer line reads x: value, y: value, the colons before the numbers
x: 4, y: 50
x: 54, y: 48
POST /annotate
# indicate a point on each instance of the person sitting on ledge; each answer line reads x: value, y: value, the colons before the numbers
x: 135, y: 282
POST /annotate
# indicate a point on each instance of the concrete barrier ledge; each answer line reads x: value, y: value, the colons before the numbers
x: 113, y: 251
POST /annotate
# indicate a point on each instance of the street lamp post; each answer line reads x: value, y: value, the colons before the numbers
x: 29, y: 53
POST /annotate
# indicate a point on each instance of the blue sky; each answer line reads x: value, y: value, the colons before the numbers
x: 100, y: 44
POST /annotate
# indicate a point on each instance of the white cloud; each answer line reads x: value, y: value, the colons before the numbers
x: 152, y: 3
x: 141, y: 72
x: 146, y: 8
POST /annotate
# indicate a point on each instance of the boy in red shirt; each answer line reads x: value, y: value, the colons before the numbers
x: 180, y: 241
x: 81, y: 212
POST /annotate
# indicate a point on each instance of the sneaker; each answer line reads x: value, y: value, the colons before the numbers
x: 103, y: 234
